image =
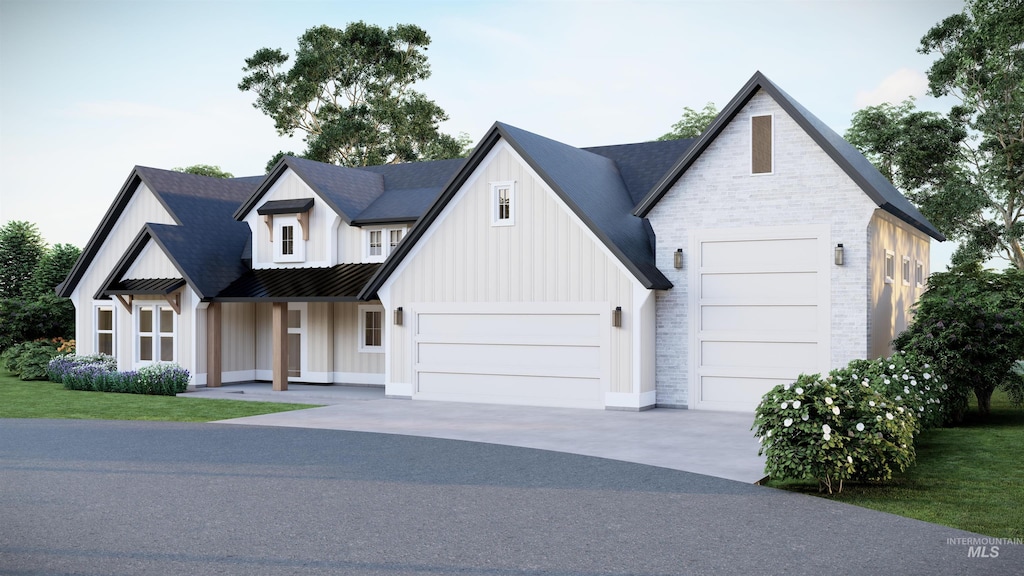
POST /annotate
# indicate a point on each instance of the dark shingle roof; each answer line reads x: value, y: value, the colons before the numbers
x: 642, y: 165
x: 856, y: 166
x: 340, y: 283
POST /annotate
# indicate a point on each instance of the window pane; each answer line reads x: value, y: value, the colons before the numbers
x: 372, y: 333
x: 396, y: 237
x: 105, y: 344
x: 167, y: 348
x: 376, y: 242
x: 166, y: 321
x: 294, y: 355
x: 504, y: 203
x: 146, y: 320
x: 287, y: 240
x: 294, y: 319
x: 146, y: 348
x: 105, y: 319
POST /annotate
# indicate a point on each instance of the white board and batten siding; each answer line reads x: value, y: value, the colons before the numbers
x: 761, y: 300
x: 540, y: 354
x: 515, y: 314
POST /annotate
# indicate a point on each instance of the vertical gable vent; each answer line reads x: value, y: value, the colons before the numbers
x: 761, y: 144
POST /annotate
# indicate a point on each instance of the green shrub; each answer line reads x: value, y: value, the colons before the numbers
x: 909, y: 381
x: 833, y: 429
x: 1014, y: 385
x: 28, y: 360
x: 969, y: 324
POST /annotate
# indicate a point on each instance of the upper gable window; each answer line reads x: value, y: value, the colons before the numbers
x: 905, y: 276
x: 919, y: 274
x: 890, y: 267
x: 380, y: 242
x: 289, y: 246
x: 503, y: 203
x: 761, y: 145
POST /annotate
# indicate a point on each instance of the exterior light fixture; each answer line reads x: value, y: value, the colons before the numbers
x: 398, y: 316
x: 677, y: 259
x: 617, y: 317
x: 839, y: 254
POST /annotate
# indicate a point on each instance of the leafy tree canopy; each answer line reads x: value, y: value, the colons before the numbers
x: 966, y: 169
x: 693, y: 123
x: 350, y: 92
x: 205, y: 170
x: 21, y: 248
x: 52, y: 269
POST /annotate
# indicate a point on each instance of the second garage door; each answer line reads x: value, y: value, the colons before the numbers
x: 761, y: 304
x: 532, y: 354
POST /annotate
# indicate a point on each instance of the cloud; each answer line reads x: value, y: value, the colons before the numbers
x: 894, y: 89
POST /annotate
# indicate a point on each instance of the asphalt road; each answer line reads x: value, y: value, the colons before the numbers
x: 111, y: 498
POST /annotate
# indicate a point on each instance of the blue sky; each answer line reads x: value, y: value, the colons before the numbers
x: 91, y: 88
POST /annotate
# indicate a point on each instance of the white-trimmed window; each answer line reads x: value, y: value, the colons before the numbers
x: 503, y: 203
x: 380, y: 242
x: 919, y: 274
x: 288, y: 245
x: 905, y: 272
x: 890, y: 266
x: 371, y: 328
x: 104, y: 335
x: 762, y: 145
x: 156, y: 334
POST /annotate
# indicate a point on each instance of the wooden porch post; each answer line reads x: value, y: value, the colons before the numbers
x: 280, y: 346
x: 213, y: 345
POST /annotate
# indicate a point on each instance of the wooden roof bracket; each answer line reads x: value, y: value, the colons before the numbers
x: 125, y: 300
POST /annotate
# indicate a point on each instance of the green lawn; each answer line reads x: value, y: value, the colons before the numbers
x: 969, y: 477
x: 49, y: 400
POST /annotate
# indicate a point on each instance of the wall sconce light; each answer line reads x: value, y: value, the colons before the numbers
x: 617, y: 317
x: 839, y: 254
x: 398, y: 316
x: 677, y: 258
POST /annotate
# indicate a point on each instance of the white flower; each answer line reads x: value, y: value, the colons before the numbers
x: 785, y: 405
x: 888, y: 415
x: 898, y: 398
x: 905, y: 377
x: 787, y: 422
x: 804, y: 417
x: 785, y: 386
x: 906, y: 389
x: 827, y: 437
x: 796, y: 403
x: 769, y: 434
x: 835, y: 410
x: 871, y: 403
x: 860, y: 426
x: 879, y: 418
x: 799, y: 390
x: 828, y: 400
x: 887, y: 381
x: 849, y: 459
x: 927, y: 376
x: 900, y: 408
x: 892, y: 366
x: 760, y: 440
x: 826, y: 428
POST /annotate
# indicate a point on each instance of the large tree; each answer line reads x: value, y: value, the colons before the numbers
x: 21, y: 248
x: 967, y: 173
x: 692, y: 124
x: 350, y: 92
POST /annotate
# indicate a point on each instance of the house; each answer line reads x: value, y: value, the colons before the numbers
x: 692, y: 273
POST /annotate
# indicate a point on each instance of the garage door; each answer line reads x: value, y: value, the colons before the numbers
x: 540, y: 355
x: 762, y: 314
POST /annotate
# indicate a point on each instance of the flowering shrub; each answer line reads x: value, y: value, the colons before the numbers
x: 62, y: 363
x: 910, y: 382
x: 833, y: 429
x: 99, y: 376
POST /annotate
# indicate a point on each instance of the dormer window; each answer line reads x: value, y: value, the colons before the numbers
x: 381, y: 242
x: 288, y: 224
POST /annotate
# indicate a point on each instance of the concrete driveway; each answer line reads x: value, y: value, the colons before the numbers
x: 714, y: 443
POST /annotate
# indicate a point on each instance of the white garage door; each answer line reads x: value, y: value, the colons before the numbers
x: 762, y: 313
x: 540, y: 355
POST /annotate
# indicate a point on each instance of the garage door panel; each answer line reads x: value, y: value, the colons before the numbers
x: 537, y: 357
x: 785, y: 254
x: 511, y: 389
x: 795, y: 286
x: 782, y: 319
x: 491, y: 326
x: 795, y: 355
x: 732, y: 390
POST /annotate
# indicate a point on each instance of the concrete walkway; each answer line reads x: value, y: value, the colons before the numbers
x: 714, y: 443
